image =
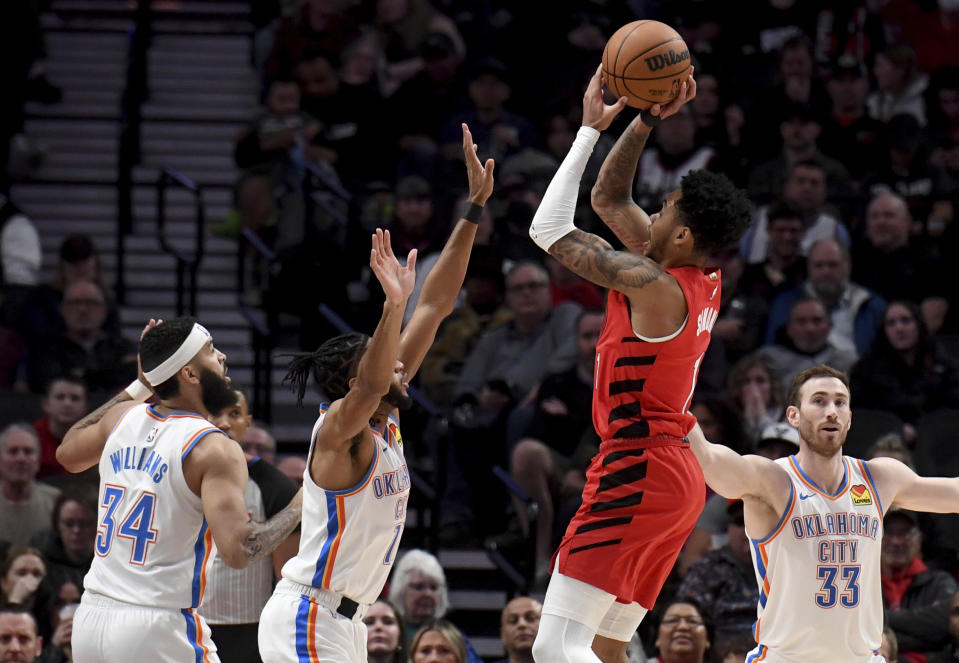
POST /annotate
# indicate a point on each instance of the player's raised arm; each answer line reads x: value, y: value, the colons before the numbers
x: 351, y: 414
x: 552, y: 229
x: 901, y: 487
x: 734, y: 476
x: 612, y: 195
x: 445, y: 280
x: 84, y: 442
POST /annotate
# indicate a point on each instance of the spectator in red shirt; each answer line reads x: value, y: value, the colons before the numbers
x: 64, y: 402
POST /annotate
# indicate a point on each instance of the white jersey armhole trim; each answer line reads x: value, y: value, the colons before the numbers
x: 663, y: 339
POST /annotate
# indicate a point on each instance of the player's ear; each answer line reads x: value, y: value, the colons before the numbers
x: 792, y: 416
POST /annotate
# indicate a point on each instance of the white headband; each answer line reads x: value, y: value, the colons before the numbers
x: 187, y: 350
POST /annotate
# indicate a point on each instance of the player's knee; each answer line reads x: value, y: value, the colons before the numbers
x: 547, y: 649
x: 529, y: 455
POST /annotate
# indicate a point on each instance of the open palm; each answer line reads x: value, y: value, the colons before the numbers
x: 397, y: 281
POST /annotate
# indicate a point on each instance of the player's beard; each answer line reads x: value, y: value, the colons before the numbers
x: 398, y: 399
x: 216, y: 392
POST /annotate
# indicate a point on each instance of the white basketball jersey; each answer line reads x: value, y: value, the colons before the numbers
x: 818, y: 572
x: 153, y: 545
x: 349, y: 538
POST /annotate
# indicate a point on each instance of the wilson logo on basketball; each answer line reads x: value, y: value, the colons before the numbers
x: 860, y: 495
x: 706, y: 320
x: 668, y: 59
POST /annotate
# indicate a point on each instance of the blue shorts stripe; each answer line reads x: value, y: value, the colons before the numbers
x: 191, y: 635
x: 302, y: 623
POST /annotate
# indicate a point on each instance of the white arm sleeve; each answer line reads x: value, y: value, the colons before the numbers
x: 554, y: 217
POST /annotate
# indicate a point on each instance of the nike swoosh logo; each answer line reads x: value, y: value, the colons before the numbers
x: 804, y: 497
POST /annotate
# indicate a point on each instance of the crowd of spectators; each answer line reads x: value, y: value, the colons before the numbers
x: 841, y: 120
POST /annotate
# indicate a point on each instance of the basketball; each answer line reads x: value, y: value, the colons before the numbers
x: 646, y: 62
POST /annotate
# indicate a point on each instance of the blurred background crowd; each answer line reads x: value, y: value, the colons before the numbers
x: 841, y: 120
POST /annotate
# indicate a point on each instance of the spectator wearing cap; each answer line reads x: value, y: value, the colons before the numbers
x: 104, y: 360
x: 20, y: 259
x: 908, y: 171
x: 799, y: 129
x: 806, y: 188
x: 78, y: 261
x: 850, y: 134
x: 916, y: 598
x: 497, y: 131
x: 723, y: 582
x: 778, y: 441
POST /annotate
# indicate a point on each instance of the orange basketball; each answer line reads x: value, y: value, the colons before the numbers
x: 646, y: 62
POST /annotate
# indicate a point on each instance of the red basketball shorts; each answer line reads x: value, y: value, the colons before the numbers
x: 639, y: 505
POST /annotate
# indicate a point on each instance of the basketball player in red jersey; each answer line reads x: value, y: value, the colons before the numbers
x: 644, y: 489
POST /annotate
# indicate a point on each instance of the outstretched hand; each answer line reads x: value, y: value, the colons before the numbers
x: 687, y: 92
x: 596, y: 113
x: 397, y: 281
x: 480, y: 175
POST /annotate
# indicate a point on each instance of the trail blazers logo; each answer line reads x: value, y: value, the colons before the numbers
x: 860, y: 495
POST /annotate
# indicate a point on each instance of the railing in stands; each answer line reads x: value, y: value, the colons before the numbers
x: 135, y: 92
x: 186, y: 265
x: 250, y: 247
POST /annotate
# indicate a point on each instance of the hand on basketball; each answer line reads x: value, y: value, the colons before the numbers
x: 480, y: 175
x: 397, y: 281
x: 687, y: 91
x: 596, y: 113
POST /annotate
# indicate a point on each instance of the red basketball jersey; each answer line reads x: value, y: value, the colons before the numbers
x: 643, y: 387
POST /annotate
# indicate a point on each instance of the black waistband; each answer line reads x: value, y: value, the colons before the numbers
x: 347, y: 607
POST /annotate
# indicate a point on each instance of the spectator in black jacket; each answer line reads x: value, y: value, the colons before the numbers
x: 951, y: 652
x: 916, y: 598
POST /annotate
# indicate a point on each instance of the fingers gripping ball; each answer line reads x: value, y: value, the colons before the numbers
x: 646, y: 62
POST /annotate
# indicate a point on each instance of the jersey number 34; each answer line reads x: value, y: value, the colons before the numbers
x: 135, y: 525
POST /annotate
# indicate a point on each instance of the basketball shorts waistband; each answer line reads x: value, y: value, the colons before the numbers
x: 327, y: 598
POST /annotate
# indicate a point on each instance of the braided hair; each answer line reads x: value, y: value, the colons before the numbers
x: 332, y: 365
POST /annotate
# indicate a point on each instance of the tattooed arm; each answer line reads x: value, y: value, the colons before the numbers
x: 216, y: 470
x: 83, y: 443
x: 612, y: 194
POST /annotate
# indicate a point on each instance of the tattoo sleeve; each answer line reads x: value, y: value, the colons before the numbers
x: 594, y: 259
x: 612, y: 194
x: 98, y: 414
x: 263, y: 538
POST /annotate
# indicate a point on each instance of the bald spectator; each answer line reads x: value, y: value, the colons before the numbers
x: 25, y: 505
x: 64, y: 402
x: 519, y: 624
x: 805, y: 342
x: 889, y: 264
x: 855, y: 312
x: 106, y: 361
x: 293, y: 466
x: 258, y: 441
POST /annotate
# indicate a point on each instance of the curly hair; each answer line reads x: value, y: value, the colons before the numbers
x: 158, y: 344
x: 332, y: 365
x: 714, y: 209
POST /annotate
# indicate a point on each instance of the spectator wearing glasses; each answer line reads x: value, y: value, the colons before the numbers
x: 105, y: 360
x: 68, y: 545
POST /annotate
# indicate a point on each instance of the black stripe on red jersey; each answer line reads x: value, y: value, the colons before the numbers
x: 627, y: 500
x: 613, y: 456
x: 623, y: 477
x: 631, y: 339
x: 598, y: 544
x: 637, y: 430
x: 635, y: 361
x: 626, y: 411
x: 624, y: 386
x: 605, y: 522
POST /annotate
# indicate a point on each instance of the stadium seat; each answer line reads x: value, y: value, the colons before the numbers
x: 867, y: 427
x: 19, y: 406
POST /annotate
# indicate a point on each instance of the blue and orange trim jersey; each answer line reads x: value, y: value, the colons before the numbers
x: 642, y: 386
x: 818, y: 571
x: 349, y: 538
x: 153, y: 546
